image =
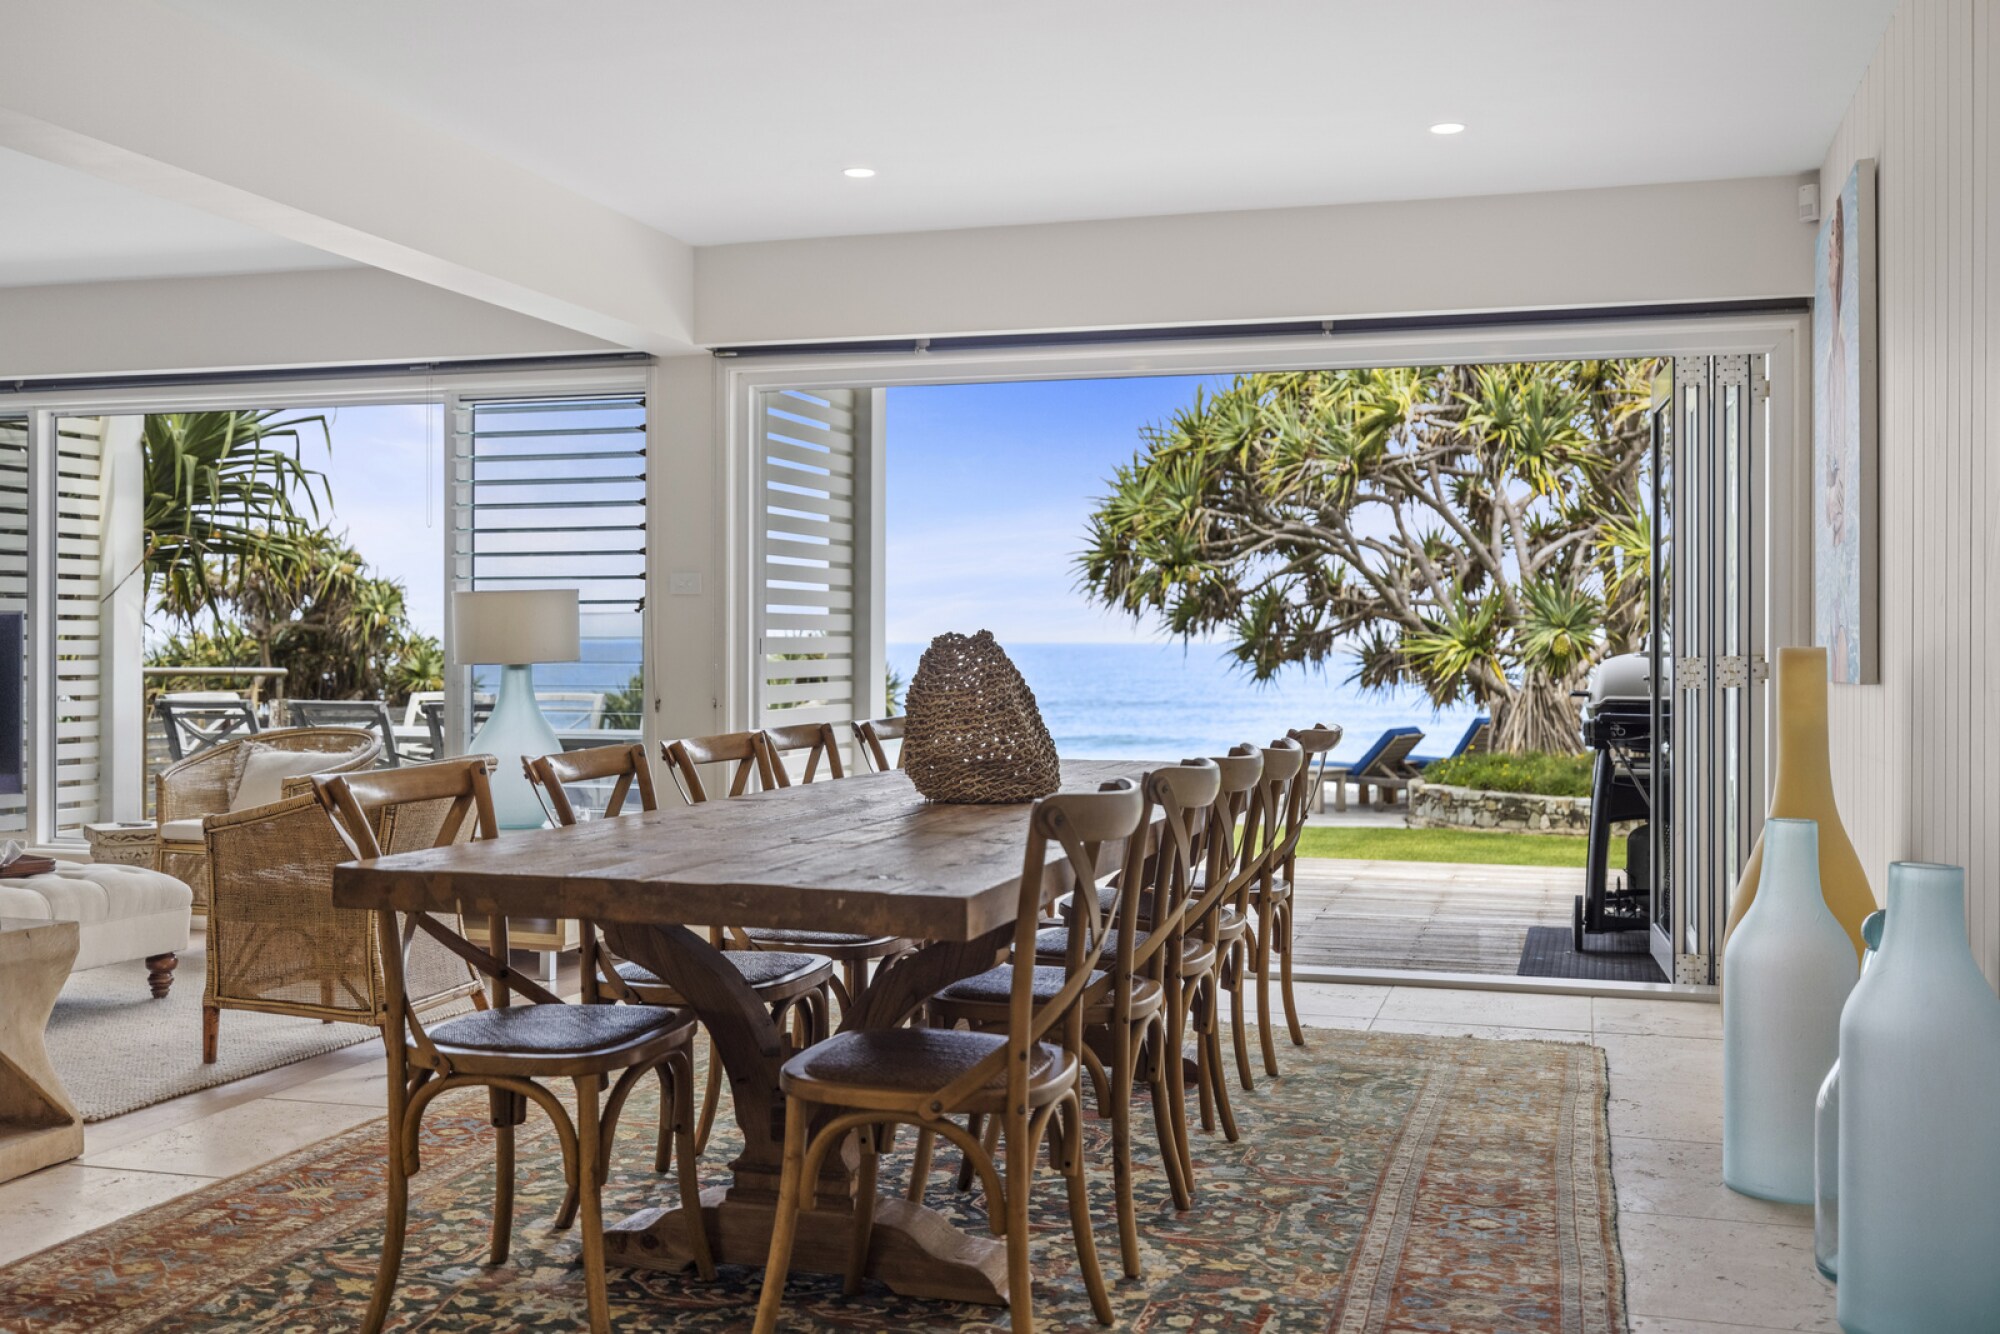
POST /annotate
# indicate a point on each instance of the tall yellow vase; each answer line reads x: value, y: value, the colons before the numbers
x: 1803, y: 790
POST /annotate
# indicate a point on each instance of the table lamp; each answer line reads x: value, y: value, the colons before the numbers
x: 515, y: 628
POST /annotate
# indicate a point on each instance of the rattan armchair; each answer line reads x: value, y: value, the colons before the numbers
x: 201, y: 785
x: 277, y: 944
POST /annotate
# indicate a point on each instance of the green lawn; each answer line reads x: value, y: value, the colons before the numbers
x: 1382, y: 844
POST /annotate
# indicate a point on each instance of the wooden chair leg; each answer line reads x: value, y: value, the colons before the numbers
x: 1020, y: 1176
x: 397, y: 1218
x: 864, y: 1212
x: 1238, y: 1021
x: 1266, y: 929
x: 1121, y: 1147
x: 1219, y: 1080
x: 670, y: 1079
x: 682, y: 1079
x: 590, y: 1185
x: 711, y: 1098
x: 510, y: 1110
x: 1069, y: 1124
x: 785, y: 1225
x: 1160, y: 1077
x: 1285, y: 965
x: 975, y: 1126
x: 211, y: 1033
x: 920, y: 1165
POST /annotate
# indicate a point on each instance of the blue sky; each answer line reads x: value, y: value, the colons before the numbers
x: 990, y: 487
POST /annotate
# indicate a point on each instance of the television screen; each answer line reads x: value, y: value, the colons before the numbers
x: 12, y: 749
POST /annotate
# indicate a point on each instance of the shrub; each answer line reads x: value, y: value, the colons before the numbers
x: 1534, y: 771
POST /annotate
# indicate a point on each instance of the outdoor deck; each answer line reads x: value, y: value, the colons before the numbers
x: 1425, y: 916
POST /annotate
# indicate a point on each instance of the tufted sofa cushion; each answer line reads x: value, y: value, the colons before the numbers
x: 123, y: 912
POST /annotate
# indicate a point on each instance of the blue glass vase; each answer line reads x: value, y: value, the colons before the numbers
x: 1826, y: 1136
x: 1919, y: 1090
x: 1786, y: 972
x: 514, y: 729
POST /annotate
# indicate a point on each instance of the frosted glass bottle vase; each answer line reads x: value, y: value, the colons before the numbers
x: 1786, y: 973
x: 1919, y: 1091
x: 1826, y: 1137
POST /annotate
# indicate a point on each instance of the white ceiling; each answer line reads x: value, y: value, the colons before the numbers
x: 732, y: 122
x: 61, y: 226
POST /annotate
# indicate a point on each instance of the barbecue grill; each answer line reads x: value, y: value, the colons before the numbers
x: 1618, y: 726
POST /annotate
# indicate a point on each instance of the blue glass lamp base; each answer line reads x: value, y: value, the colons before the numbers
x: 515, y: 729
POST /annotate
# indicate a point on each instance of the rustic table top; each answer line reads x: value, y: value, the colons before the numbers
x: 862, y: 854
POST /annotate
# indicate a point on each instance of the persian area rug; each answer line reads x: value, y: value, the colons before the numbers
x: 1386, y: 1183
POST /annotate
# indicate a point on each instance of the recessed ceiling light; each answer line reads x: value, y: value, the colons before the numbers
x: 859, y: 173
x: 1447, y: 127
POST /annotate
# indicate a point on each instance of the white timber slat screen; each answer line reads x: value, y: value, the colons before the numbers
x: 551, y: 493
x: 811, y: 631
x: 14, y: 575
x: 79, y: 537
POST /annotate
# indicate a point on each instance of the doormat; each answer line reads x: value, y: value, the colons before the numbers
x: 1615, y: 956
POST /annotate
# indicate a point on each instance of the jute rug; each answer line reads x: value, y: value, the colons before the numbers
x: 1386, y: 1183
x: 117, y: 1049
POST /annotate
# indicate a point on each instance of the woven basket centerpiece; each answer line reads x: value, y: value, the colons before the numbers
x: 974, y: 733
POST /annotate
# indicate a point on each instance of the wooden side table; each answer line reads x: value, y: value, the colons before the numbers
x: 130, y: 844
x: 38, y: 1123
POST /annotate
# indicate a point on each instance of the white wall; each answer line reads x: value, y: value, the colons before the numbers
x: 1705, y: 241
x: 317, y: 317
x: 1917, y: 757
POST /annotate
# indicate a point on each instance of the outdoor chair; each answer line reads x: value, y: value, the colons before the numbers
x: 1274, y: 828
x: 277, y: 944
x: 203, y: 720
x: 508, y: 1050
x: 220, y: 778
x: 432, y: 710
x: 866, y: 1082
x: 371, y: 714
x: 1475, y: 740
x: 1384, y: 766
x: 872, y: 732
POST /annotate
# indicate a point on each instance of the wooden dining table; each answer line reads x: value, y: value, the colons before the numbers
x: 865, y: 855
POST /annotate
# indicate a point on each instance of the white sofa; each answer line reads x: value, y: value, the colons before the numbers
x: 121, y: 912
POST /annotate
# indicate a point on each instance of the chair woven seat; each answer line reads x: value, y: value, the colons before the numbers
x: 917, y: 1060
x: 556, y: 1030
x: 1052, y: 943
x: 818, y: 940
x: 760, y: 968
x: 993, y: 986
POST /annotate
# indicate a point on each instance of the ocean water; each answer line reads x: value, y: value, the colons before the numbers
x: 1145, y: 701
x: 1167, y: 701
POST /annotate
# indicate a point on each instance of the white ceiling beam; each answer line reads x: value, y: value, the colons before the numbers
x: 177, y: 108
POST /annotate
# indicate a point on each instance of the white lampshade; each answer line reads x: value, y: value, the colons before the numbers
x: 515, y: 626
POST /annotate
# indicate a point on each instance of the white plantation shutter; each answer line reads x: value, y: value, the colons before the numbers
x: 14, y: 574
x: 818, y: 630
x: 551, y: 493
x: 78, y: 624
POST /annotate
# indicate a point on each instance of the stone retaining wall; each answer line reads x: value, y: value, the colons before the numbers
x: 1441, y: 806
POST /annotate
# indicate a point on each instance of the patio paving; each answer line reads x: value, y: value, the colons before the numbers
x: 1425, y: 916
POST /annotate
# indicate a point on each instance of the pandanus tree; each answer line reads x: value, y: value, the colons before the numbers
x: 1477, y: 531
x: 225, y: 491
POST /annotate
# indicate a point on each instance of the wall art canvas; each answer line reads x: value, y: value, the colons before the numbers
x: 1844, y: 476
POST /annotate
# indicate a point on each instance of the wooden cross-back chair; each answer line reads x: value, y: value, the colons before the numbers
x: 1139, y: 1023
x: 507, y: 1049
x: 872, y: 732
x: 1025, y: 1077
x: 1215, y: 928
x: 1317, y: 743
x: 1271, y: 896
x: 819, y: 743
x: 760, y: 756
x: 793, y: 985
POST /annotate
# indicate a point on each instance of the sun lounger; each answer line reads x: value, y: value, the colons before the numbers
x: 1478, y: 736
x: 1385, y: 766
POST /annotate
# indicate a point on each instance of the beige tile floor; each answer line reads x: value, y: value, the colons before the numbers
x: 1699, y: 1258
